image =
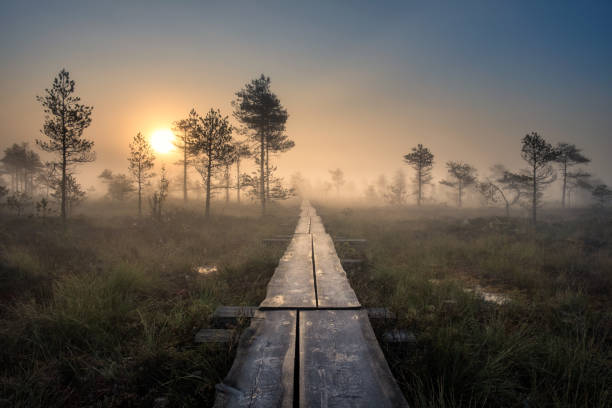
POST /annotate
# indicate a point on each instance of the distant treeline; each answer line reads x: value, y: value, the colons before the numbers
x: 212, y: 146
x: 545, y: 164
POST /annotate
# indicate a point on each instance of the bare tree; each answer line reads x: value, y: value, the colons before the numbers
x: 299, y: 184
x: 568, y: 155
x: 276, y: 142
x: 74, y: 192
x: 398, y: 190
x: 211, y: 139
x: 182, y: 129
x: 229, y: 158
x: 260, y: 111
x: 141, y: 162
x: 461, y: 176
x: 602, y: 195
x: 538, y: 153
x: 421, y: 160
x: 576, y: 181
x: 23, y: 165
x: 242, y: 151
x: 160, y: 195
x: 503, y: 186
x: 337, y: 177
x: 65, y: 120
x: 18, y: 201
x: 119, y: 186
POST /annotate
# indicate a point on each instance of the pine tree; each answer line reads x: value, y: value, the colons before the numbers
x: 182, y: 130
x: 210, y: 142
x: 462, y: 175
x: 568, y: 155
x: 65, y: 120
x: 261, y: 112
x: 538, y: 153
x: 337, y: 177
x: 421, y: 160
x: 141, y: 162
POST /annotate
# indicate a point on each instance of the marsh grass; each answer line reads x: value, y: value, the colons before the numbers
x: 103, y: 313
x: 549, y: 346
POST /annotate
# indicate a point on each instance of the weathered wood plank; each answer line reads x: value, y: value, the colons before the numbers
x: 351, y: 240
x: 316, y: 225
x: 275, y: 240
x: 262, y: 374
x: 213, y: 336
x: 303, y: 225
x: 341, y: 363
x: 381, y: 313
x: 292, y: 285
x: 333, y: 288
x: 229, y: 315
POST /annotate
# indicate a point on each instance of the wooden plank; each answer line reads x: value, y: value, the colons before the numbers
x: 399, y: 336
x: 275, y: 240
x: 333, y: 288
x: 213, y: 336
x: 229, y: 315
x: 381, y: 313
x: 341, y: 363
x: 351, y: 261
x: 351, y: 240
x: 303, y: 225
x: 292, y: 285
x: 262, y: 374
x: 316, y: 225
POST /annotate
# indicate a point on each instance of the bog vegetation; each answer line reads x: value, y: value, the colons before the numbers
x: 100, y: 296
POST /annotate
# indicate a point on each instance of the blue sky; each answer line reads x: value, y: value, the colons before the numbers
x: 363, y: 81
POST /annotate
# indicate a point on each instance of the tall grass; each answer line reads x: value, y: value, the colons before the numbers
x: 550, y: 346
x: 104, y: 312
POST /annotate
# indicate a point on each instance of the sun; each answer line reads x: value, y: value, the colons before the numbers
x: 161, y: 141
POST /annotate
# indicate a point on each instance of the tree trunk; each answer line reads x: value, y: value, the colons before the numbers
x: 460, y: 194
x: 564, y: 184
x: 208, y: 171
x: 139, y: 196
x: 227, y: 183
x: 63, y: 186
x: 262, y: 184
x: 420, y: 183
x: 238, y: 179
x: 534, y: 198
x: 185, y: 168
x: 267, y: 172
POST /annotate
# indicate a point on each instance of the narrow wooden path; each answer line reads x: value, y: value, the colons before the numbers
x: 310, y: 344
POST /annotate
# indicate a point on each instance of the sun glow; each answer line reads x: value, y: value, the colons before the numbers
x: 161, y: 141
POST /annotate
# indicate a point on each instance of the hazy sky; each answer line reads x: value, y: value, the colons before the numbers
x: 363, y: 81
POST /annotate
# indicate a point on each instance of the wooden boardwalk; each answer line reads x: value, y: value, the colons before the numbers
x: 310, y: 344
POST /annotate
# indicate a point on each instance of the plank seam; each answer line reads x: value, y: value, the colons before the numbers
x: 314, y: 271
x: 296, y: 365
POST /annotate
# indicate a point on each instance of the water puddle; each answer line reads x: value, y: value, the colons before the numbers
x: 491, y: 297
x: 206, y: 269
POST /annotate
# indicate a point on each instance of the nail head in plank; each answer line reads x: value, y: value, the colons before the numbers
x: 341, y: 363
x: 262, y: 374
